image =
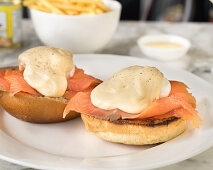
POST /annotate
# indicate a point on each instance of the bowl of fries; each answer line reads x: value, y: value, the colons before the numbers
x: 81, y: 26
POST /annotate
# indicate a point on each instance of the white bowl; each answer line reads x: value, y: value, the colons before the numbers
x: 164, y: 54
x: 79, y: 34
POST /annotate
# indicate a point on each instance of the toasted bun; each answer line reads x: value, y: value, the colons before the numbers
x: 35, y: 109
x: 135, y: 132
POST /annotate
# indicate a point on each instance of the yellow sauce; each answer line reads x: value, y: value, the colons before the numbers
x: 131, y: 89
x: 45, y: 69
x: 163, y: 45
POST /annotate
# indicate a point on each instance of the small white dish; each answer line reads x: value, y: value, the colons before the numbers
x: 164, y: 54
x: 67, y: 145
x: 181, y: 63
x: 77, y: 33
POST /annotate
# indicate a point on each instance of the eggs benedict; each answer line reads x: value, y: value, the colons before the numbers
x: 39, y: 89
x: 131, y: 89
x: 45, y: 69
x: 136, y: 106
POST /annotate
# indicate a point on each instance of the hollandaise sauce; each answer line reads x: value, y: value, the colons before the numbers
x: 170, y: 45
x: 46, y: 69
x: 131, y: 89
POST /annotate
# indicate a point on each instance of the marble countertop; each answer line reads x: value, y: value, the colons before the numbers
x: 198, y: 61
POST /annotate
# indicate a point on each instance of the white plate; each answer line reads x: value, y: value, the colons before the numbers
x: 67, y: 146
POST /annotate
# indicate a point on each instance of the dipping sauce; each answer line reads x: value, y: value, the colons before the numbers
x: 163, y: 45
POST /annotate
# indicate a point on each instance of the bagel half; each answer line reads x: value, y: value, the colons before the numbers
x: 35, y: 109
x: 135, y: 132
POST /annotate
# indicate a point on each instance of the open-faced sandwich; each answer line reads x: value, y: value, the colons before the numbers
x: 39, y: 89
x: 137, y: 106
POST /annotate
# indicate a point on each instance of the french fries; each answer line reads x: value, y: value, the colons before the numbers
x: 68, y: 7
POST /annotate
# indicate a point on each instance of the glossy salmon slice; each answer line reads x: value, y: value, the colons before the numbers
x: 69, y: 94
x: 178, y: 87
x: 13, y: 81
x: 81, y: 103
x: 181, y: 91
x: 165, y: 105
x: 179, y: 103
x: 81, y: 81
x: 17, y: 83
x: 4, y: 84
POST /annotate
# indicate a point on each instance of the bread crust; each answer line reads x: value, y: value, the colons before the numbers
x: 35, y: 109
x: 135, y: 133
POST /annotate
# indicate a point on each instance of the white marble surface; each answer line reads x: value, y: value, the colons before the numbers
x: 199, y: 61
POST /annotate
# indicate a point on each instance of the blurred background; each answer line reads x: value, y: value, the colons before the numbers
x: 164, y: 10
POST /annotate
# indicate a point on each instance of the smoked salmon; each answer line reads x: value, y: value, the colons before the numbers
x: 17, y: 83
x: 179, y: 103
x: 13, y: 82
x: 81, y: 81
x: 4, y: 84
